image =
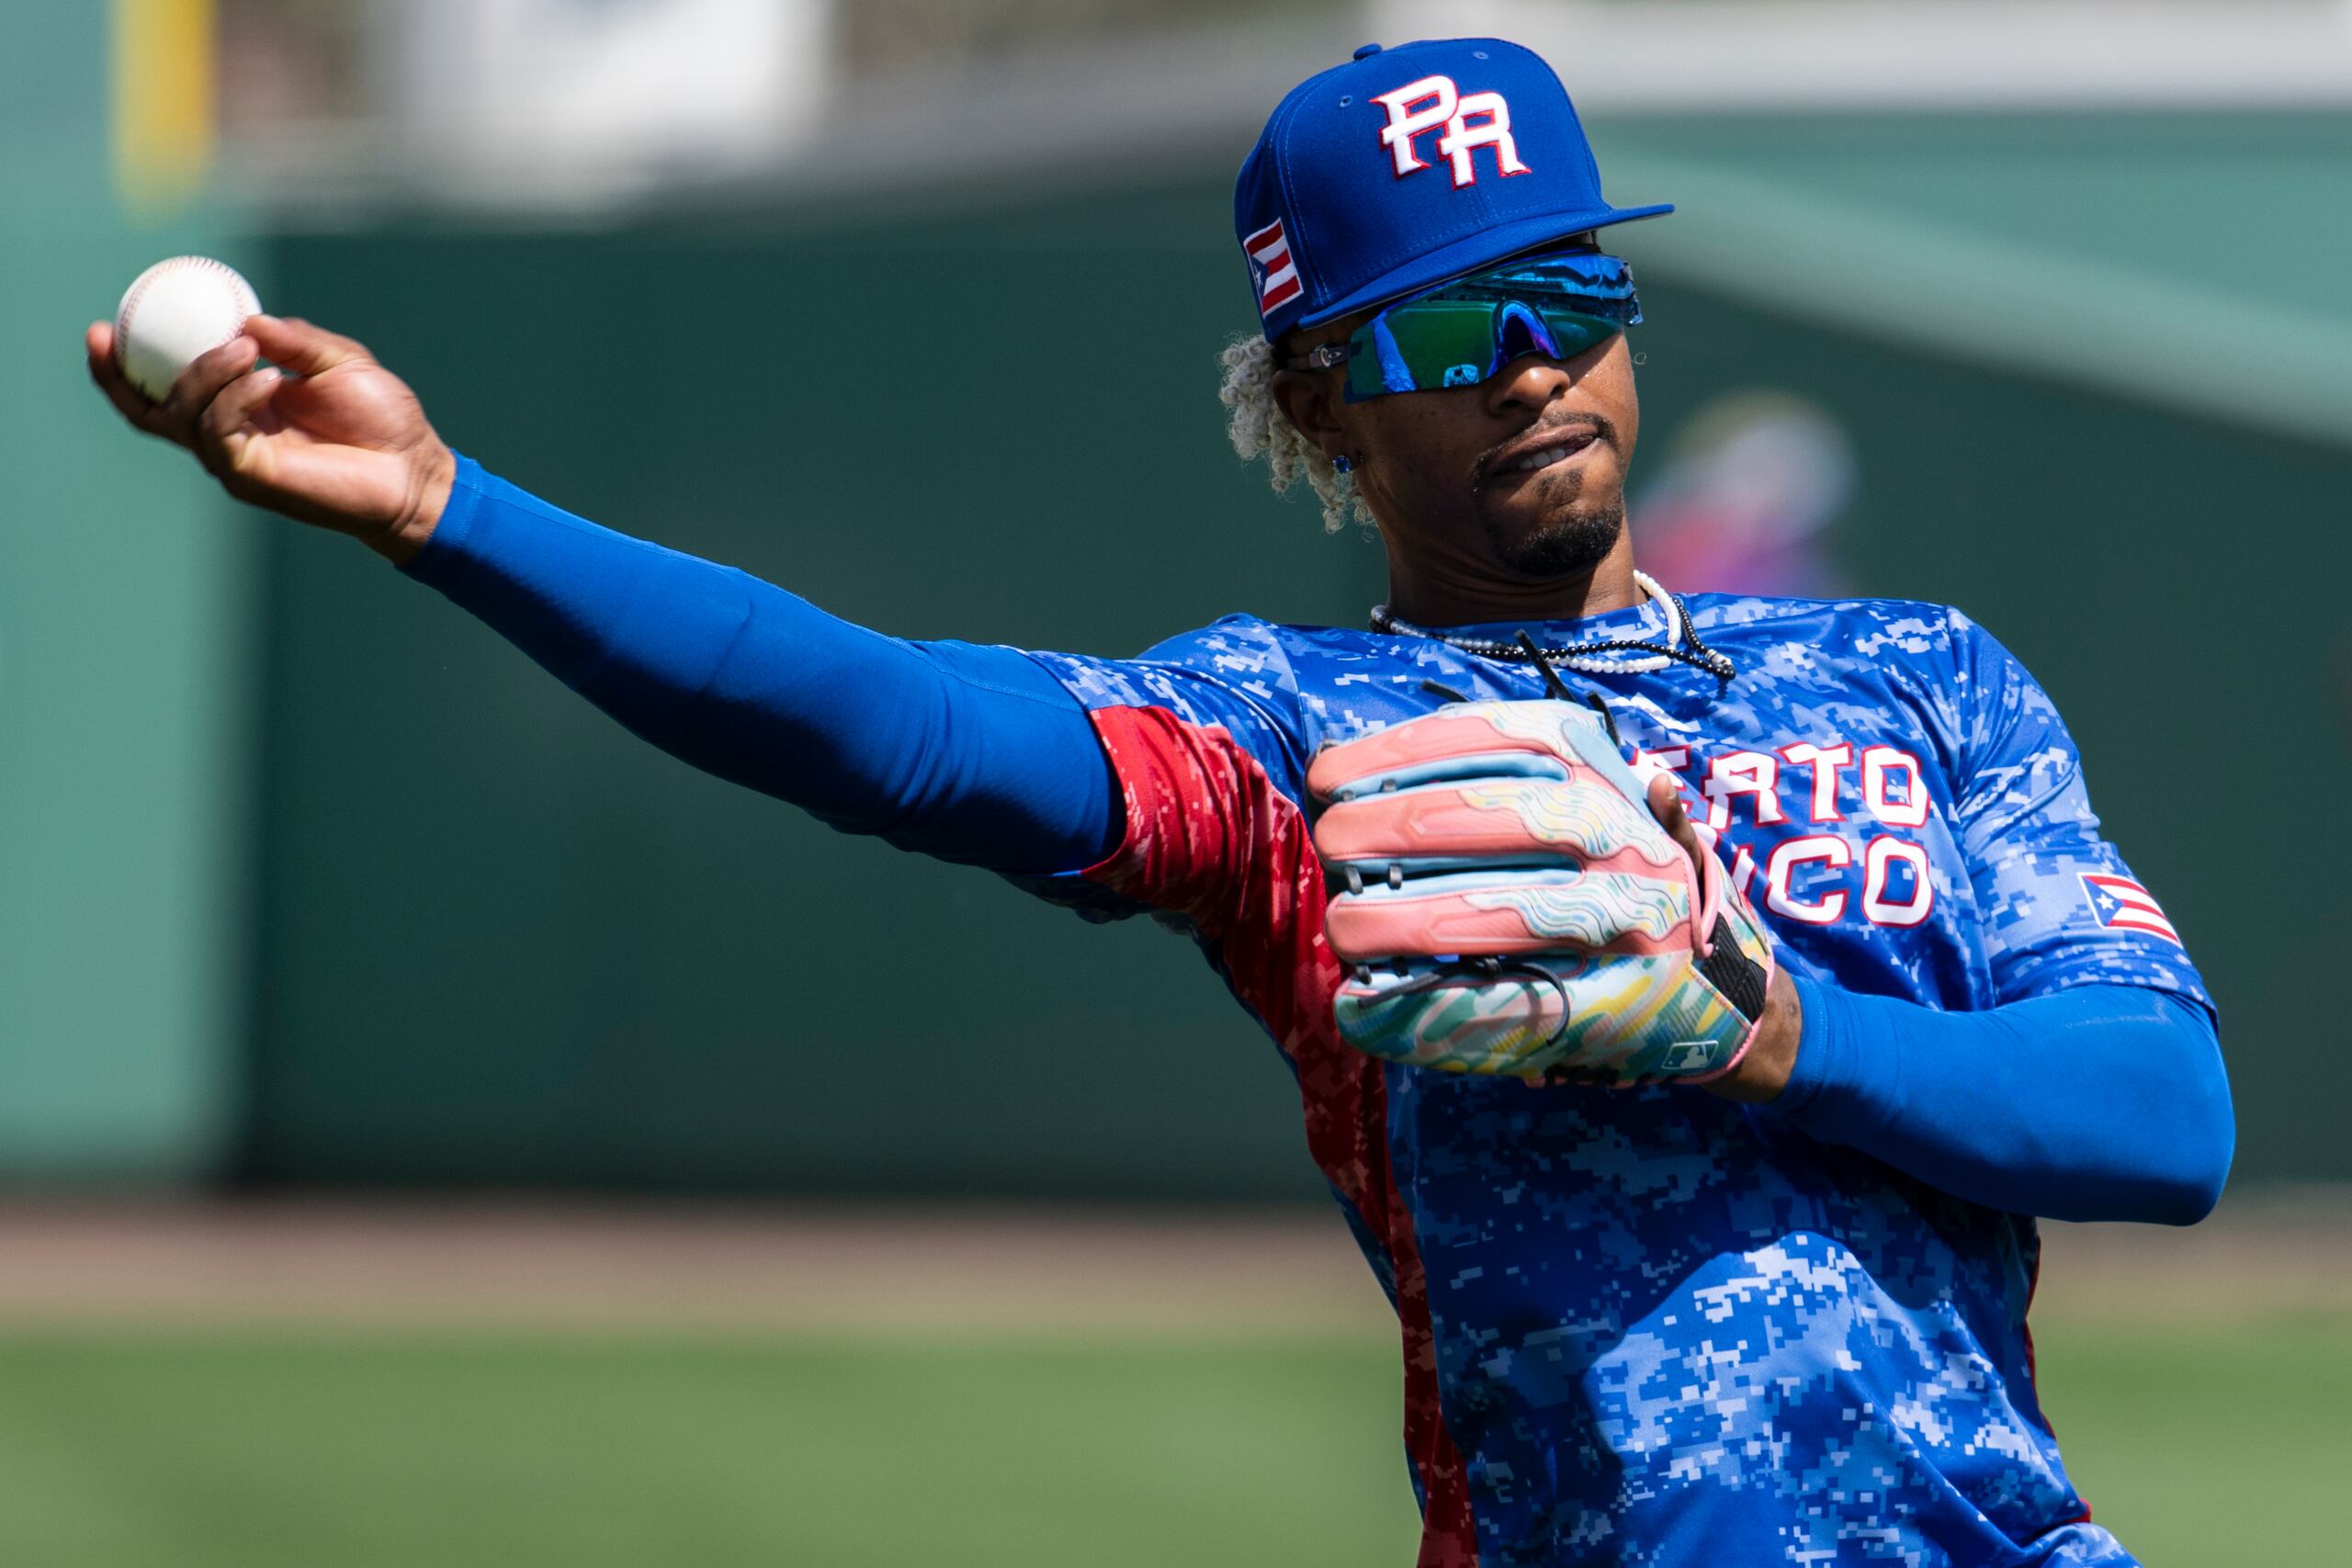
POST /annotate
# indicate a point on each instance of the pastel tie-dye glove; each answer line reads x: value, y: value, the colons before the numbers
x: 1507, y: 904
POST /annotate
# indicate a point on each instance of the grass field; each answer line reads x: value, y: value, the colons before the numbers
x: 2201, y: 1450
x: 2202, y: 1438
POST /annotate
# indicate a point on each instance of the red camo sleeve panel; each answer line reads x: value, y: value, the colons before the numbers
x: 1210, y: 837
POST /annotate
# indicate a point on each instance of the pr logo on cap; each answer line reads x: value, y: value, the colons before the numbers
x: 1418, y: 107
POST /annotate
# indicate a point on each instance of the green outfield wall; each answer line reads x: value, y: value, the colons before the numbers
x: 499, y: 940
x: 124, y: 629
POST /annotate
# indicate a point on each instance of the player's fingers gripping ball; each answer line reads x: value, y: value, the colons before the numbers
x: 1507, y: 904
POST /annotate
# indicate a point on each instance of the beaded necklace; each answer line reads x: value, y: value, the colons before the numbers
x: 1681, y: 645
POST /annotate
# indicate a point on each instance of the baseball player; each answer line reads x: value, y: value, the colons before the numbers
x: 1691, y: 1001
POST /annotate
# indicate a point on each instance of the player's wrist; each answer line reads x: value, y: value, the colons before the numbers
x: 432, y: 475
x: 1765, y: 1067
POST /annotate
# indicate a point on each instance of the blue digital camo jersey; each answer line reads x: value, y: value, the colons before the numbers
x: 1653, y: 1326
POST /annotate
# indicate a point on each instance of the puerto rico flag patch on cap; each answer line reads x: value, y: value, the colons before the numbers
x: 1272, y: 269
x: 2123, y: 905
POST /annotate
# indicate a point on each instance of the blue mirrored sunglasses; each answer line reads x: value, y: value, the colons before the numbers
x: 1461, y: 333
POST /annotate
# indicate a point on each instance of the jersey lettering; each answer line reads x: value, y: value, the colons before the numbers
x: 1756, y: 774
x: 1825, y: 762
x: 1899, y: 804
x: 1821, y: 849
x: 1884, y: 863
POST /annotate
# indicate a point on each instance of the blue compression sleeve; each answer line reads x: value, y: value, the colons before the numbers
x: 2098, y: 1102
x: 970, y: 753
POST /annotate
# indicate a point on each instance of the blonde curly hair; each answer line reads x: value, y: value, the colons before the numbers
x: 1257, y: 427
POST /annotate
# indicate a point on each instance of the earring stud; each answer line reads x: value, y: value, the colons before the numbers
x: 1342, y: 464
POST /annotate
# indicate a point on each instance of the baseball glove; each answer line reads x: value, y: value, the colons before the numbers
x: 1505, y: 902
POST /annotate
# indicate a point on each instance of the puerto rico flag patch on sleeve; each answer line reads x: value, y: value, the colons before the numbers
x: 2123, y: 905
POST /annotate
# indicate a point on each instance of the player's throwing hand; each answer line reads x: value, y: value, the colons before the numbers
x: 323, y: 434
x: 1511, y: 904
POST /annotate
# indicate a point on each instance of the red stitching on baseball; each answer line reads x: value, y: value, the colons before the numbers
x: 175, y: 263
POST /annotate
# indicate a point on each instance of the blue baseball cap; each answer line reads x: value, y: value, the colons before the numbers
x: 1407, y: 166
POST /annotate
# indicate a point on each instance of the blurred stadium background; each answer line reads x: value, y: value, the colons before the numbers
x: 440, y: 1128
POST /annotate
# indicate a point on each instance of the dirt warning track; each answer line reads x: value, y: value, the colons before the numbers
x: 939, y: 1272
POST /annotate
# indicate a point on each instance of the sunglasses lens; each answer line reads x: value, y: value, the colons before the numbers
x: 1436, y: 344
x: 1431, y: 343
x: 1556, y: 306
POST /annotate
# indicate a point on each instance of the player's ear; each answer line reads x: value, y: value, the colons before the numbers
x: 1307, y: 406
x: 1308, y: 399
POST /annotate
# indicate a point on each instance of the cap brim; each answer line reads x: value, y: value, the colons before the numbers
x: 1485, y: 248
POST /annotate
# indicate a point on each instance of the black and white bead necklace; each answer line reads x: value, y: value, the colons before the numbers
x: 1681, y: 644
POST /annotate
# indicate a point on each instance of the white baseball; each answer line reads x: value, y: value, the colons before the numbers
x: 173, y: 311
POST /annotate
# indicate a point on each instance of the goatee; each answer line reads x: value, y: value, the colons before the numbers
x: 1569, y: 545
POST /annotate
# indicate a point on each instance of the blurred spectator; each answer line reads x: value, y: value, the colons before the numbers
x: 1746, y: 497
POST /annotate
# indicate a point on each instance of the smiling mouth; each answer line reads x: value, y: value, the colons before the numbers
x: 1569, y: 446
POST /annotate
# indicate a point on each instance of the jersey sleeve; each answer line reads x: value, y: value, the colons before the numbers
x: 2059, y: 907
x: 1205, y: 741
